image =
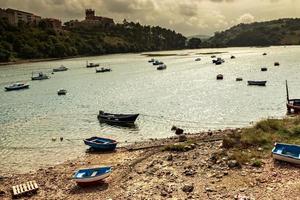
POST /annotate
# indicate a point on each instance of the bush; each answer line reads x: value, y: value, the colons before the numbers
x: 257, y: 163
x: 269, y: 125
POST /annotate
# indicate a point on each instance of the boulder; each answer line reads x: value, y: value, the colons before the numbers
x: 187, y: 188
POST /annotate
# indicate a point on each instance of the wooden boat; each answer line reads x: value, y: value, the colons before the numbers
x: 101, y: 144
x: 151, y: 60
x: 258, y: 83
x: 40, y: 76
x: 293, y: 105
x: 264, y: 54
x: 60, y: 69
x: 162, y: 67
x: 91, y: 175
x: 220, y: 77
x: 157, y: 62
x: 119, y: 119
x: 102, y: 69
x: 276, y: 64
x: 232, y: 57
x: 287, y: 152
x: 239, y: 79
x: 263, y: 69
x: 218, y: 61
x: 213, y: 56
x: 62, y: 92
x: 198, y: 59
x: 91, y: 65
x: 16, y: 86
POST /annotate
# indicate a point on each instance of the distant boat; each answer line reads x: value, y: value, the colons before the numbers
x: 101, y: 144
x: 162, y: 67
x: 276, y: 64
x: 60, y: 69
x: 293, y: 105
x: 218, y: 61
x: 157, y: 62
x: 91, y: 65
x: 213, y: 56
x: 102, y: 69
x: 263, y: 69
x: 62, y: 92
x: 198, y: 59
x: 39, y: 76
x: 287, y: 152
x: 239, y: 79
x: 16, y: 86
x: 232, y: 57
x: 91, y: 175
x: 258, y: 83
x: 151, y: 60
x: 219, y: 77
x: 119, y: 119
x: 264, y: 54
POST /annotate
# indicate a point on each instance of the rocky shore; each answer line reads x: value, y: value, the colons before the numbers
x: 167, y: 169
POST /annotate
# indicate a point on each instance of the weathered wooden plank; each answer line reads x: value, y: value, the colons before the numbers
x: 35, y: 185
x: 18, y: 189
x: 15, y: 190
x: 31, y: 185
x: 28, y: 186
x: 25, y: 187
x: 21, y: 188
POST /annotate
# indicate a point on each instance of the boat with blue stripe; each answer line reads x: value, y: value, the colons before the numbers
x: 287, y: 152
x: 101, y: 144
x: 90, y: 176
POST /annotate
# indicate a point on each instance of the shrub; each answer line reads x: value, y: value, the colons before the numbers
x: 257, y: 163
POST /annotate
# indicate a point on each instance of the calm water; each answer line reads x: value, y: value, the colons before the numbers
x: 186, y: 94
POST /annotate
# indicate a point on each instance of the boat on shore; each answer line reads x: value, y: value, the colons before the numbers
x: 118, y: 119
x: 292, y: 105
x: 39, y: 76
x: 90, y: 176
x: 60, y: 69
x: 162, y: 67
x: 62, y: 92
x: 103, y: 69
x: 91, y: 65
x: 101, y: 144
x: 287, y: 152
x: 16, y: 86
x: 257, y: 83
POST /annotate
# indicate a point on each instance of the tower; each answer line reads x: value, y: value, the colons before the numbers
x: 89, y: 14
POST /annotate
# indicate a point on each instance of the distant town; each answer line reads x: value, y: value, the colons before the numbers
x: 15, y: 17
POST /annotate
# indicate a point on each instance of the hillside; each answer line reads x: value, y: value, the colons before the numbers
x: 276, y: 32
x: 27, y: 42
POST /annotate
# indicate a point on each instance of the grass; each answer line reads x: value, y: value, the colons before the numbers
x: 261, y: 136
x: 179, y: 147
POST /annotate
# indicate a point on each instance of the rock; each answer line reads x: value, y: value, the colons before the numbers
x: 2, y: 193
x: 225, y: 173
x: 209, y: 189
x: 233, y: 164
x: 189, y: 172
x: 170, y: 157
x: 182, y: 138
x: 187, y: 188
x: 260, y: 149
x: 213, y: 158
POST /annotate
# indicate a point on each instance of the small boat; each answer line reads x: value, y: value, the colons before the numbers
x: 119, y: 119
x: 151, y: 60
x: 232, y: 57
x: 157, y: 62
x: 263, y: 69
x: 220, y: 77
x: 218, y: 61
x: 91, y: 176
x: 162, y: 67
x: 258, y: 83
x: 60, y: 69
x: 276, y: 64
x: 91, y: 65
x: 198, y: 59
x: 62, y: 92
x: 264, y: 54
x: 287, y: 152
x: 101, y: 144
x: 239, y: 79
x: 213, y: 56
x: 292, y: 105
x: 16, y: 86
x: 102, y: 69
x: 40, y: 76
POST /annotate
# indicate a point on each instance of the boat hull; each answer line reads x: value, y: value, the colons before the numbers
x: 18, y: 88
x: 105, y: 144
x: 117, y: 119
x: 286, y: 159
x: 257, y: 83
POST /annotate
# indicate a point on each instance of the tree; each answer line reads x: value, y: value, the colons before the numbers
x: 194, y: 43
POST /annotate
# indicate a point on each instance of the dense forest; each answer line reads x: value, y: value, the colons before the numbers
x: 276, y: 32
x: 27, y: 42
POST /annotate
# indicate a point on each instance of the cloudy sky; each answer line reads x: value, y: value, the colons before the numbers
x: 188, y: 17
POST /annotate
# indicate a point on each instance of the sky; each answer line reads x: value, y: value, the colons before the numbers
x: 189, y: 17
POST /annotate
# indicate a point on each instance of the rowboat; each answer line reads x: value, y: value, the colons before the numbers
x: 239, y: 79
x: 60, y: 69
x: 151, y: 60
x: 119, y: 119
x: 16, y: 86
x: 287, y: 152
x: 91, y: 175
x: 90, y: 65
x: 162, y: 67
x: 101, y: 144
x: 219, y: 77
x: 102, y: 69
x: 157, y: 62
x: 276, y: 64
x: 62, y: 92
x: 293, y: 105
x: 263, y: 69
x: 258, y: 83
x: 198, y: 59
x: 40, y: 76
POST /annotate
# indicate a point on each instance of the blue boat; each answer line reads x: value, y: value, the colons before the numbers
x: 101, y: 144
x: 287, y: 152
x: 91, y: 175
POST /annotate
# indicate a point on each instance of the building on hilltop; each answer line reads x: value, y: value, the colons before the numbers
x: 53, y: 23
x: 14, y: 17
x: 91, y: 20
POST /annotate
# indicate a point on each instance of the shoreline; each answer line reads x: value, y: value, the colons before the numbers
x: 147, y: 170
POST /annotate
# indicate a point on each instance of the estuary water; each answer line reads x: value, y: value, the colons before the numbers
x: 186, y: 94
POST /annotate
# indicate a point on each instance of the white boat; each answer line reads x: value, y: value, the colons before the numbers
x: 60, y: 69
x: 16, y: 86
x: 91, y: 175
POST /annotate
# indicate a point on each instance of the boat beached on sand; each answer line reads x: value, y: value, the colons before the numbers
x: 118, y: 119
x: 16, y: 86
x: 101, y: 144
x: 287, y: 152
x: 91, y: 176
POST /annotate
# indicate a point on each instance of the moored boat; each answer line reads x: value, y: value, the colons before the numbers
x: 151, y: 60
x: 62, y: 92
x: 287, y: 152
x: 239, y: 79
x: 162, y: 67
x: 218, y: 61
x: 101, y: 144
x: 90, y: 176
x: 103, y: 69
x: 118, y: 119
x: 39, y: 76
x: 292, y: 105
x: 91, y: 65
x: 157, y: 62
x: 258, y: 83
x: 60, y: 69
x: 263, y: 69
x: 220, y: 77
x: 276, y: 64
x: 16, y: 86
x: 198, y: 59
x: 232, y: 57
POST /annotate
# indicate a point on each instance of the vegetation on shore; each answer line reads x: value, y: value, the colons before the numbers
x: 27, y: 42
